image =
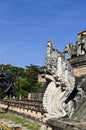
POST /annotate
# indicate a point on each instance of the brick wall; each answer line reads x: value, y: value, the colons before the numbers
x: 80, y: 71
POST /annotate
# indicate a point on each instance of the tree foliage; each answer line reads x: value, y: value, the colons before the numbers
x: 32, y: 72
x: 25, y: 79
x: 22, y: 87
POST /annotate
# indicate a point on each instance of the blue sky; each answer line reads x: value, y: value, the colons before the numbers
x: 27, y: 25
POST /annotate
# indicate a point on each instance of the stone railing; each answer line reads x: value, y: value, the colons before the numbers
x: 32, y: 105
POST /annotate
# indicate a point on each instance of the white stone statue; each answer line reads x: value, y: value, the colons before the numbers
x: 61, y: 83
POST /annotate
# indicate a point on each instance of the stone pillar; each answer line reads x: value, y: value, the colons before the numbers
x: 29, y: 96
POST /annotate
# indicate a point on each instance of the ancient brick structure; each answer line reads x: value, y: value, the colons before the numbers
x: 79, y: 65
x: 65, y: 95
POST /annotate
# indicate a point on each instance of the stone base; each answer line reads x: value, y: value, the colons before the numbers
x: 66, y: 125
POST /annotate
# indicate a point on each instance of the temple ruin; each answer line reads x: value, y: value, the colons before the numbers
x: 65, y: 93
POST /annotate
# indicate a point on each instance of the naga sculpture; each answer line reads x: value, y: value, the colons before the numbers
x: 58, y: 100
x: 71, y: 50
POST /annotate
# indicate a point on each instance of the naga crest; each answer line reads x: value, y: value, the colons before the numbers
x: 58, y: 66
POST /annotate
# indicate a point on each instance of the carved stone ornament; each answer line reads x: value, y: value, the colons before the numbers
x: 78, y: 49
x: 57, y: 101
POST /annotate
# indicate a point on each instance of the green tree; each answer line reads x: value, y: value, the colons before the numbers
x: 32, y: 72
x: 22, y: 87
x: 25, y: 79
